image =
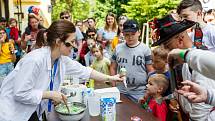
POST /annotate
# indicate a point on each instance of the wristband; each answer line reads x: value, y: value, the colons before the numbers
x: 182, y: 54
x: 185, y: 54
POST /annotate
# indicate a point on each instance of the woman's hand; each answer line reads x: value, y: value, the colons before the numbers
x: 56, y: 96
x: 27, y: 37
x: 193, y: 92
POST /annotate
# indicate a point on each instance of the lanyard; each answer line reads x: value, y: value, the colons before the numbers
x: 52, y: 83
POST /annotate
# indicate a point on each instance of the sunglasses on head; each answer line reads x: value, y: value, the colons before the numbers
x: 65, y: 17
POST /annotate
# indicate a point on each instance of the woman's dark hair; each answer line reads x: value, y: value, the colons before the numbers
x: 2, y: 29
x: 40, y: 39
x: 59, y: 29
x: 28, y: 28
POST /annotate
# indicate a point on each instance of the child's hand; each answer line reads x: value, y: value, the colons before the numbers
x: 174, y: 106
x: 144, y: 99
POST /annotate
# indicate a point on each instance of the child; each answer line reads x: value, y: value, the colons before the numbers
x: 135, y: 57
x: 159, y: 57
x: 100, y: 63
x: 157, y: 85
x: 89, y: 56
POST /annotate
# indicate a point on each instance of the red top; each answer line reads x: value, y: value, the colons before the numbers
x: 14, y: 33
x: 84, y: 50
x: 158, y: 110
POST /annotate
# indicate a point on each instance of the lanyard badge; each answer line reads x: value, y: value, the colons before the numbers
x: 53, y: 74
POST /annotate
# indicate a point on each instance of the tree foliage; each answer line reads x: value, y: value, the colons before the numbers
x: 79, y: 9
x: 146, y: 10
x: 101, y: 9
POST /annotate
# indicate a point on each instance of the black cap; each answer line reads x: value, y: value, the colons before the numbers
x: 3, y: 19
x: 130, y: 26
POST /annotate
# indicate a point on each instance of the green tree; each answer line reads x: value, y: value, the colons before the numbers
x: 146, y: 10
x: 79, y: 9
x: 102, y: 7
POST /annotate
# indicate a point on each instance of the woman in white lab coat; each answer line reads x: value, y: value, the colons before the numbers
x: 34, y: 83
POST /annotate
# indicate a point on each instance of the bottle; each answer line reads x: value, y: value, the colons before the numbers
x: 91, y: 83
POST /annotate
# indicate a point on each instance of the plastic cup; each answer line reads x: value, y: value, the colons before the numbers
x: 94, y: 105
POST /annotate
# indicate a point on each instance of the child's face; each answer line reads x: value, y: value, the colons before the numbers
x: 152, y: 87
x: 96, y: 52
x: 90, y: 43
x: 159, y: 64
x: 131, y: 37
x: 13, y: 24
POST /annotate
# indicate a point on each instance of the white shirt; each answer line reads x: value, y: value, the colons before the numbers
x: 22, y: 89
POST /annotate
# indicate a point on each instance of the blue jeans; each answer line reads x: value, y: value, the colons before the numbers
x: 6, y: 68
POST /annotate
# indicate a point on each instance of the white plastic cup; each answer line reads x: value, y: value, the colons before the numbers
x: 94, y: 105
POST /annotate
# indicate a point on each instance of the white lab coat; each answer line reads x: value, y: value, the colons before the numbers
x: 21, y: 91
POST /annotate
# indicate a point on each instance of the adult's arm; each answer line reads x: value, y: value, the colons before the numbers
x: 202, y: 61
x: 75, y: 68
x: 26, y: 79
x: 199, y: 60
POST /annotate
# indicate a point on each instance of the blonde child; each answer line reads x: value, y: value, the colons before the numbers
x: 100, y: 63
x: 154, y: 102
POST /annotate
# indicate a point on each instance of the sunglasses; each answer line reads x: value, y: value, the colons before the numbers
x: 92, y: 35
x: 68, y: 44
x: 65, y: 17
x: 2, y: 33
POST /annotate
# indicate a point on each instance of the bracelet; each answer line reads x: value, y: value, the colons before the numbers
x: 186, y: 54
x: 182, y: 54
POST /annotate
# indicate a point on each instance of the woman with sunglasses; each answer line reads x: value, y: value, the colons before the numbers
x: 7, y: 55
x: 120, y: 37
x: 34, y: 84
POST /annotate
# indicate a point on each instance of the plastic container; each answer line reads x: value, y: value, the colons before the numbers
x: 108, y: 109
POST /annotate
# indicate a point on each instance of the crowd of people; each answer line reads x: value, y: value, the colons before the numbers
x: 174, y: 80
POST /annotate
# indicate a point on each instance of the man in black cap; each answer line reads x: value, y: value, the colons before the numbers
x: 135, y: 57
x: 172, y: 34
x: 3, y: 22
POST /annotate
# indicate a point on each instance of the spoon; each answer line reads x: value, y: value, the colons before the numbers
x: 64, y: 100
